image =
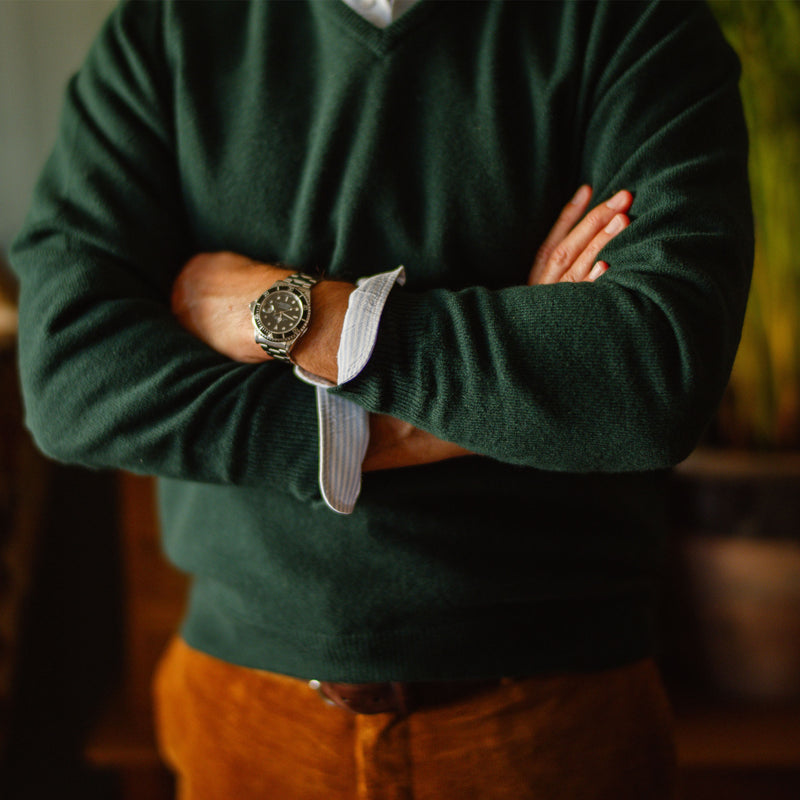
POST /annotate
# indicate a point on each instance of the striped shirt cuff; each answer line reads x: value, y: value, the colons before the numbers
x: 343, y: 425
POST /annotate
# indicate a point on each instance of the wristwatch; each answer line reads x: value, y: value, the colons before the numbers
x: 281, y: 315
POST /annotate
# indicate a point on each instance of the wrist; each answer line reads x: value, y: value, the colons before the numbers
x: 316, y: 352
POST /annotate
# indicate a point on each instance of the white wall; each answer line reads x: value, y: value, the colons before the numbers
x: 42, y: 43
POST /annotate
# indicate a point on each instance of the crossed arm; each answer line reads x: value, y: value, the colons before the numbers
x: 212, y: 292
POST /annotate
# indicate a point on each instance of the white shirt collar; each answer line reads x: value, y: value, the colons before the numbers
x: 380, y: 13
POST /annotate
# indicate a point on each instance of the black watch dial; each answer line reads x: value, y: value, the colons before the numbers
x: 281, y: 311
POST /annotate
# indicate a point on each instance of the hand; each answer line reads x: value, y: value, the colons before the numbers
x: 570, y: 249
x: 393, y: 443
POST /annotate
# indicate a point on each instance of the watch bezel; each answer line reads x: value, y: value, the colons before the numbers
x: 301, y: 324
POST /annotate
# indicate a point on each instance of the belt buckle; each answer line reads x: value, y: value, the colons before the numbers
x: 317, y: 687
x: 365, y: 698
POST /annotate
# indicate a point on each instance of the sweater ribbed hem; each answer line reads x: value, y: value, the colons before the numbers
x: 586, y: 634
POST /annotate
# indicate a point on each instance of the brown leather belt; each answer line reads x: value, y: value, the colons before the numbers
x: 398, y: 697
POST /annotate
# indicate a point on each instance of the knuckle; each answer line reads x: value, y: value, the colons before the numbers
x: 560, y: 257
x: 596, y: 219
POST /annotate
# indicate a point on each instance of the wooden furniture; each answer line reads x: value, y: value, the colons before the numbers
x: 124, y: 739
x: 24, y: 476
x: 737, y: 751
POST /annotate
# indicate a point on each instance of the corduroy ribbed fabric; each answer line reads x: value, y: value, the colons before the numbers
x: 232, y: 732
x: 448, y: 142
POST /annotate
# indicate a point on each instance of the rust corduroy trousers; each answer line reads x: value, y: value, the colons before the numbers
x: 234, y: 733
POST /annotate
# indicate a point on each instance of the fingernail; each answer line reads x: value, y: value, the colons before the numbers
x: 580, y: 196
x: 616, y: 224
x: 597, y: 270
x: 618, y: 201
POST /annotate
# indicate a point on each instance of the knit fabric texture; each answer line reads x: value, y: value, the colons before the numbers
x: 447, y: 142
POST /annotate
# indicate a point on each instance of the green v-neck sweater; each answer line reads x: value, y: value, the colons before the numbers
x: 448, y: 142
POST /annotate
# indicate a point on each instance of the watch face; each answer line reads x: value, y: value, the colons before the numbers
x: 281, y: 312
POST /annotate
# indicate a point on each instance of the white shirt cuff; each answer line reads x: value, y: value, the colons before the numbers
x: 344, y: 425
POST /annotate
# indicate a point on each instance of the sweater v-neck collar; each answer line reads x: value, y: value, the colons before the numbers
x: 379, y: 40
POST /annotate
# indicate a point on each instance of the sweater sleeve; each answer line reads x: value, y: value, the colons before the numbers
x: 109, y: 377
x: 624, y: 373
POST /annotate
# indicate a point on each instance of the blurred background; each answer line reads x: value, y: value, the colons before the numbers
x: 86, y: 601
